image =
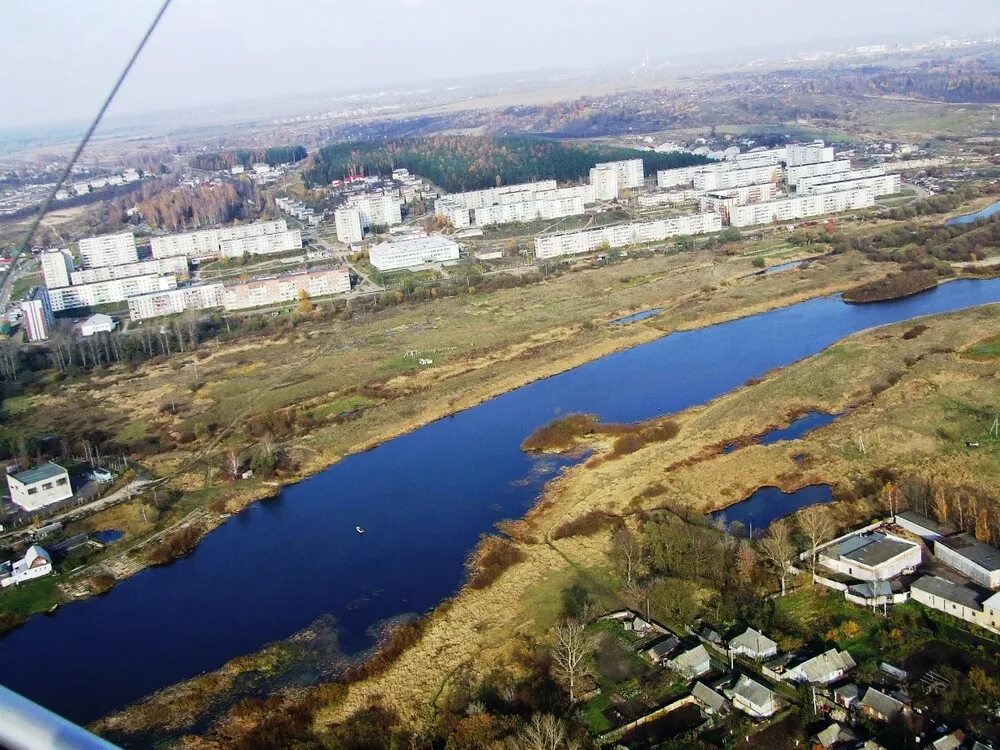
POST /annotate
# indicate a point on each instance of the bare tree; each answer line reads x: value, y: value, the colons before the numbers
x: 191, y: 320
x: 776, y: 546
x: 628, y: 551
x: 232, y: 465
x: 543, y: 732
x: 10, y: 357
x: 569, y: 650
x: 816, y: 524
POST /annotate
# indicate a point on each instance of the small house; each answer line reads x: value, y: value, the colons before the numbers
x: 35, y: 564
x: 923, y: 526
x: 754, y: 699
x: 659, y: 652
x: 833, y: 736
x: 822, y: 669
x: 711, y: 702
x: 879, y: 706
x: 753, y: 644
x: 691, y: 663
x: 846, y: 695
x: 950, y: 741
x: 973, y: 559
x: 43, y: 485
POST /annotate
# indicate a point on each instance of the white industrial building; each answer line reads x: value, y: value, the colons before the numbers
x: 207, y: 242
x: 871, y: 556
x: 105, y: 292
x: 36, y: 314
x: 605, y: 183
x: 976, y: 560
x: 262, y: 244
x: 630, y: 172
x: 98, y: 323
x: 174, y: 301
x: 798, y: 154
x: 886, y: 184
x: 108, y: 250
x: 57, y: 267
x: 621, y: 235
x: 794, y: 174
x: 799, y: 207
x: 274, y: 290
x: 958, y: 601
x: 411, y: 252
x: 177, y: 266
x: 724, y: 179
x: 348, y: 223
x: 43, y: 485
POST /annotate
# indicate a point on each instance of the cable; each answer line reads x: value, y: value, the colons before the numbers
x: 90, y: 131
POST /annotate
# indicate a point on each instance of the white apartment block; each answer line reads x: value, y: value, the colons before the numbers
x: 411, y: 252
x: 621, y: 235
x: 794, y: 174
x: 631, y: 172
x: 105, y: 292
x: 758, y: 158
x: 798, y: 154
x: 36, y: 315
x: 668, y: 178
x: 540, y: 208
x: 721, y: 202
x: 671, y: 198
x: 845, y: 175
x: 275, y: 290
x: 174, y: 301
x: 800, y: 207
x: 262, y: 244
x: 605, y: 183
x: 348, y: 223
x: 207, y: 242
x: 489, y: 196
x: 377, y: 209
x: 108, y: 250
x: 886, y: 184
x: 530, y: 202
x: 57, y: 267
x: 178, y: 266
x: 732, y: 178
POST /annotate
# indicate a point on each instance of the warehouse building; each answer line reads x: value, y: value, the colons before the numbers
x: 105, y: 292
x: 622, y: 235
x: 976, y: 560
x: 412, y: 252
x: 175, y: 301
x: 206, y: 243
x: 275, y: 290
x: 177, y: 266
x: 108, y: 250
x: 958, y: 601
x: 800, y: 207
x: 872, y: 556
x: 262, y: 244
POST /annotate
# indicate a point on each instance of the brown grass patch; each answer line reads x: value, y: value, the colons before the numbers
x: 491, y: 558
x: 588, y: 524
x: 174, y: 545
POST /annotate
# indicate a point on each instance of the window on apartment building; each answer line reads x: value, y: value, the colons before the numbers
x: 61, y: 480
x: 32, y: 490
x: 47, y: 486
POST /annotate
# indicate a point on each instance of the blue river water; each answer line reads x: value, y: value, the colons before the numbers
x: 423, y: 498
x: 983, y: 213
x: 796, y: 429
x: 769, y: 503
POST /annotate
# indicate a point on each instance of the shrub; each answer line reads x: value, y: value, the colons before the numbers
x: 561, y: 434
x: 490, y: 560
x: 586, y: 525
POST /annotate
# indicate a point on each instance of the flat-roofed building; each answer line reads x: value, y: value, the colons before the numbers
x: 43, y: 485
x: 378, y: 209
x: 871, y: 556
x: 758, y: 158
x: 797, y: 154
x: 630, y: 172
x: 722, y: 201
x: 800, y: 207
x: 178, y: 266
x: 412, y: 252
x: 57, y: 268
x: 622, y: 235
x: 846, y: 175
x: 975, y: 560
x: 717, y: 179
x: 348, y: 223
x: 36, y: 314
x: 923, y: 526
x: 958, y: 601
x: 262, y: 244
x: 887, y: 184
x: 672, y: 198
x: 98, y: 323
x: 175, y: 301
x: 274, y: 290
x: 794, y: 174
x: 605, y: 183
x: 108, y: 250
x: 540, y: 208
x: 679, y: 176
x: 206, y: 243
x: 106, y: 292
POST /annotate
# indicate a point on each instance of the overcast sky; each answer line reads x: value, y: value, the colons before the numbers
x: 59, y: 58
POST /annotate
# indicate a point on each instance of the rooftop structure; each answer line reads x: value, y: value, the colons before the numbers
x: 692, y: 663
x: 754, y: 644
x: 822, y: 669
x: 35, y: 564
x: 923, y: 526
x: 753, y: 698
x: 879, y: 705
x: 871, y: 556
x: 712, y: 702
x: 976, y: 560
x: 99, y: 323
x: 43, y: 485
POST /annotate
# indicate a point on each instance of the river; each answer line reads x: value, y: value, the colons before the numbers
x: 423, y: 499
x: 983, y: 213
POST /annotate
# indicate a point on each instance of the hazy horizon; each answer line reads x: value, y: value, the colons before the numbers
x: 224, y: 52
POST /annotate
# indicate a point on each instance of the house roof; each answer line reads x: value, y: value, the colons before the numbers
x: 691, y: 658
x: 924, y: 522
x: 824, y: 667
x: 881, y: 703
x: 983, y: 555
x: 833, y: 735
x: 753, y: 640
x: 848, y: 691
x: 872, y: 549
x: 48, y: 470
x: 99, y: 319
x: 948, y: 591
x: 752, y: 692
x: 951, y: 741
x: 871, y: 589
x: 703, y: 693
x: 664, y: 647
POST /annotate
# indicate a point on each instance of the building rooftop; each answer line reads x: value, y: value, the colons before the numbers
x: 872, y: 549
x: 99, y: 319
x: 871, y: 589
x: 925, y: 523
x: 881, y: 703
x: 691, y: 658
x: 705, y: 694
x: 949, y: 591
x: 753, y: 640
x: 823, y: 667
x: 752, y: 692
x: 40, y: 473
x: 984, y: 555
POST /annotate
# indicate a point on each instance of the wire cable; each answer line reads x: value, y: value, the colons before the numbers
x: 25, y: 243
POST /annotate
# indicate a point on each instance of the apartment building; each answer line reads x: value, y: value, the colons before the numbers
x: 348, y: 223
x: 604, y: 183
x: 274, y: 290
x: 800, y: 207
x: 761, y: 158
x: 724, y: 179
x: 622, y: 235
x: 411, y: 252
x: 377, y: 209
x: 630, y: 172
x: 57, y: 267
x: 108, y: 250
x: 529, y: 202
x: 174, y: 301
x: 105, y: 292
x: 816, y: 152
x: 178, y: 266
x: 794, y: 174
x: 262, y: 244
x: 846, y: 175
x: 886, y: 184
x: 489, y: 196
x: 540, y: 208
x: 206, y: 243
x: 36, y: 314
x: 672, y: 198
x: 722, y: 201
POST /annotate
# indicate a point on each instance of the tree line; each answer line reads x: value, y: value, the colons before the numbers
x: 272, y: 156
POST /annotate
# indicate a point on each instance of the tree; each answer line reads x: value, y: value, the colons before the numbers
x: 569, y: 651
x: 305, y: 304
x: 543, y: 732
x: 746, y: 563
x: 816, y: 524
x: 776, y: 546
x: 232, y: 464
x: 628, y: 553
x: 890, y: 498
x: 940, y: 504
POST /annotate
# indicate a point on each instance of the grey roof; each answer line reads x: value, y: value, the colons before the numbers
x: 871, y: 589
x: 691, y: 658
x: 98, y: 319
x: 703, y: 693
x: 48, y: 470
x: 848, y: 691
x: 825, y: 667
x: 874, y: 549
x: 925, y: 523
x: 833, y: 735
x: 984, y: 555
x: 664, y: 647
x: 881, y: 703
x: 753, y: 640
x: 752, y: 692
x: 948, y: 591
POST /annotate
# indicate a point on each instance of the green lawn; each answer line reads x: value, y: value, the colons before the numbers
x: 28, y: 598
x: 350, y: 403
x: 988, y: 349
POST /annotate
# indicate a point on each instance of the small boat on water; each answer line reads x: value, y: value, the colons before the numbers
x: 359, y: 529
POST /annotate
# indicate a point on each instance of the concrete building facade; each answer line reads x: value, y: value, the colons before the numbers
x: 412, y: 252
x: 274, y: 290
x: 262, y: 244
x: 724, y: 179
x: 348, y: 223
x: 794, y: 174
x: 978, y: 561
x: 178, y: 266
x: 797, y: 154
x: 36, y: 314
x: 43, y: 485
x: 57, y: 268
x: 174, y: 301
x: 108, y: 250
x: 887, y: 184
x: 605, y: 183
x: 622, y: 235
x: 105, y: 292
x: 206, y: 243
x: 800, y: 207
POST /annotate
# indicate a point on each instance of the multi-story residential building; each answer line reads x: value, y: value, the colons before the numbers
x: 849, y: 174
x: 724, y: 179
x: 605, y: 183
x: 621, y: 235
x: 799, y: 207
x: 411, y: 252
x: 631, y: 172
x: 36, y: 314
x: 57, y: 267
x: 108, y: 250
x: 798, y: 154
x: 540, y: 208
x: 348, y: 223
x: 104, y: 292
x: 886, y: 184
x: 670, y: 198
x: 759, y: 158
x: 378, y: 209
x: 541, y: 200
x: 796, y: 173
x: 262, y: 244
x: 668, y: 178
x: 178, y: 266
x: 489, y: 196
x: 174, y: 301
x: 722, y: 201
x: 274, y: 290
x: 207, y: 242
